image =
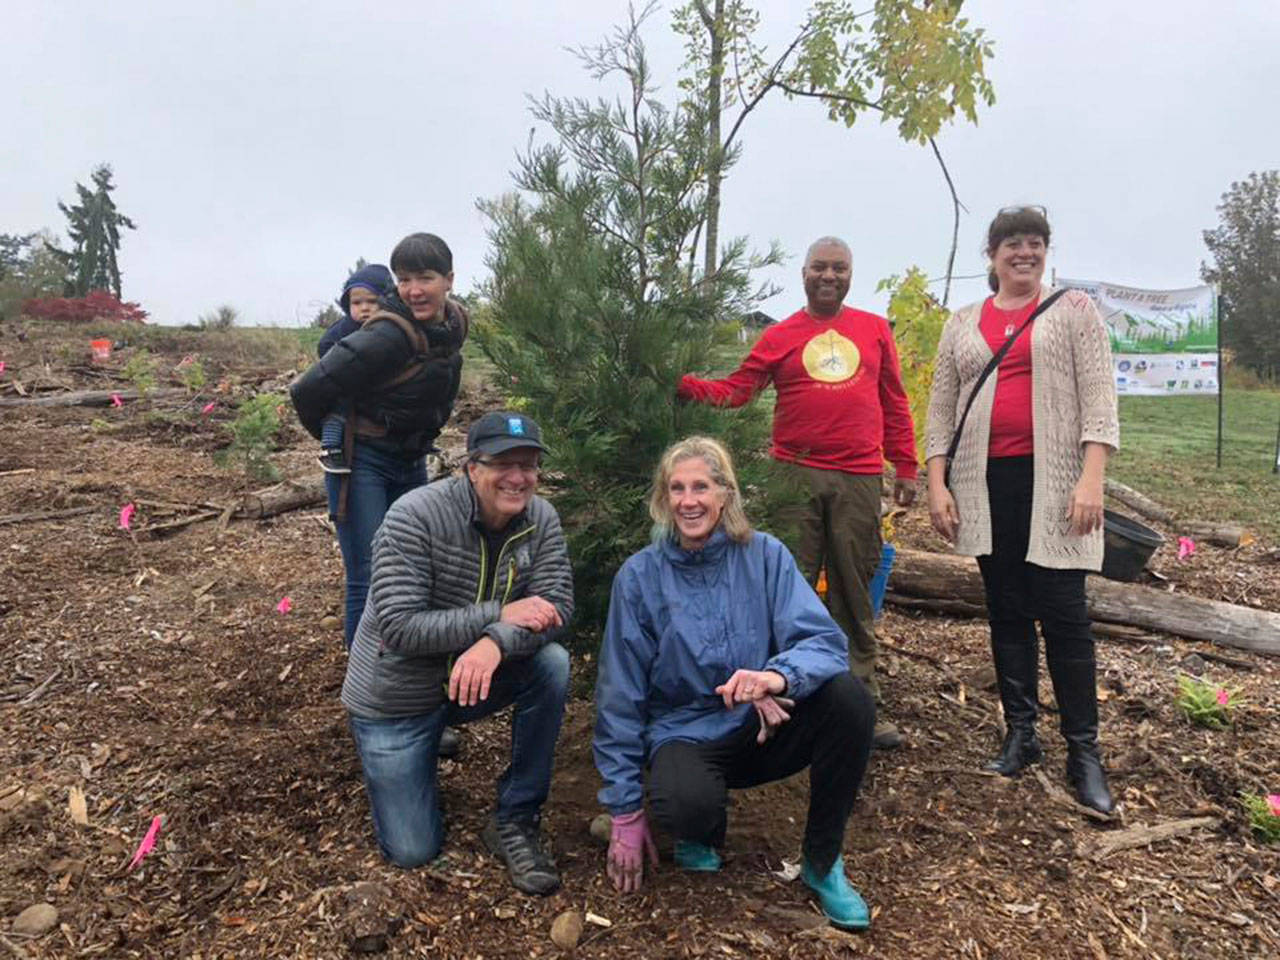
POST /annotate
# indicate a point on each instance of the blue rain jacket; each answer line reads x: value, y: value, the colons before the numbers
x: 680, y: 623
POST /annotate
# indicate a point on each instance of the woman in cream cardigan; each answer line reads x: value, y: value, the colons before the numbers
x: 1026, y: 484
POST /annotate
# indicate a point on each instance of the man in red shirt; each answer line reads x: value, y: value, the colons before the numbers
x: 841, y: 412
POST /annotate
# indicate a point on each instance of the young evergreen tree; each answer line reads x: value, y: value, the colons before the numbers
x: 597, y: 306
x: 94, y: 226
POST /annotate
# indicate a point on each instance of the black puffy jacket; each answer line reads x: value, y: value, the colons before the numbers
x: 402, y: 417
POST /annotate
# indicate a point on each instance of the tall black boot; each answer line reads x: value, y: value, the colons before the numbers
x: 1074, y: 684
x: 1017, y: 669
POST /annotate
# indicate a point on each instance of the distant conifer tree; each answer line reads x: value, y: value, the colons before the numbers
x: 94, y: 226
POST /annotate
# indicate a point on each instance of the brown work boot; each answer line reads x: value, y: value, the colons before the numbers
x: 886, y: 736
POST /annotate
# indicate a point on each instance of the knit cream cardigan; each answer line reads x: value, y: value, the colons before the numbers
x: 1073, y: 398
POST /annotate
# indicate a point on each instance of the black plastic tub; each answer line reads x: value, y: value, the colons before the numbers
x: 1129, y: 545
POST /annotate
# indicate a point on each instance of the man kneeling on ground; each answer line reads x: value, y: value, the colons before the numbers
x: 470, y: 581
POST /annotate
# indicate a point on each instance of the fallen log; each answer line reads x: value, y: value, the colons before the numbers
x: 92, y: 398
x: 1140, y: 835
x: 1100, y: 629
x: 258, y: 505
x: 44, y: 515
x: 281, y: 498
x: 170, y: 525
x: 919, y: 573
x: 957, y: 608
x: 1139, y: 503
x: 1222, y: 534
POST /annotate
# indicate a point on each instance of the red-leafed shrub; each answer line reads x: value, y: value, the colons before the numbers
x: 97, y: 306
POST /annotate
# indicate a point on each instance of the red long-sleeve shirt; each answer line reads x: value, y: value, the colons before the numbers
x: 841, y: 405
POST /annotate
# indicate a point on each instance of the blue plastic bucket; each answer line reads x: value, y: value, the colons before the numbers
x: 880, y: 582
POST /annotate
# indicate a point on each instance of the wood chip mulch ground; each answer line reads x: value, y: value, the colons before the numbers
x: 144, y: 677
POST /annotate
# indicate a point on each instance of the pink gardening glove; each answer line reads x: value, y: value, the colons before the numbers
x: 628, y: 843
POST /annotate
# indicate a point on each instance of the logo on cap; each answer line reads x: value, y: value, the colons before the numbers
x: 515, y: 426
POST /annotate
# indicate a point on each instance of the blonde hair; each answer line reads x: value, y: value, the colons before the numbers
x: 732, y: 516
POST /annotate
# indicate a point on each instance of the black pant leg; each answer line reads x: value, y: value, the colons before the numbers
x: 687, y: 789
x: 1005, y: 576
x: 1007, y: 583
x: 1060, y: 604
x: 1063, y: 611
x: 830, y: 732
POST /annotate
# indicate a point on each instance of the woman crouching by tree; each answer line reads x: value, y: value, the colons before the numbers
x: 1016, y: 463
x: 722, y: 669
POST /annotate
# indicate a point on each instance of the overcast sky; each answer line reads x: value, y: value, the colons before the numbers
x: 262, y: 147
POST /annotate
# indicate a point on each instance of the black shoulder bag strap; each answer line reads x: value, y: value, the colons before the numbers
x: 982, y: 378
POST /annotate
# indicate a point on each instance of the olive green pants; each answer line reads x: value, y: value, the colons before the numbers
x: 839, y: 528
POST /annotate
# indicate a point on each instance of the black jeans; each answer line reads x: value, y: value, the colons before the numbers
x: 1021, y: 593
x: 829, y: 732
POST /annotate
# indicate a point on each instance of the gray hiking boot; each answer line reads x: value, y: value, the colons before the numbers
x: 886, y: 736
x: 519, y: 845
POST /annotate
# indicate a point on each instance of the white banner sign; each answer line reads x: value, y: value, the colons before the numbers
x: 1163, y: 342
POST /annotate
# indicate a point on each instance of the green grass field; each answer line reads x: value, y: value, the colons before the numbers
x: 1168, y: 451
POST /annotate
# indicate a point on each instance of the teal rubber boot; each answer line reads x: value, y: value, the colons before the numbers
x: 696, y: 857
x: 842, y: 904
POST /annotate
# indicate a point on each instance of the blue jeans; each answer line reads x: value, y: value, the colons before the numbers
x: 399, y: 755
x: 378, y: 479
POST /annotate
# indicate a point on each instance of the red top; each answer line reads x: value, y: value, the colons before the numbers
x: 1012, y: 432
x: 840, y: 406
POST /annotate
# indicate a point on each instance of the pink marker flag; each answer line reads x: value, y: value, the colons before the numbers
x: 148, y: 842
x: 1186, y: 548
x: 1273, y: 801
x: 208, y: 408
x: 1, y: 366
x: 284, y: 606
x: 126, y: 515
x: 116, y: 401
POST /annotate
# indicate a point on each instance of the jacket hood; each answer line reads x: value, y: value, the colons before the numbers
x: 374, y: 277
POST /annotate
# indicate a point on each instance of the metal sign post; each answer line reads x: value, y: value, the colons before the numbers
x: 1217, y: 318
x: 1276, y: 467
